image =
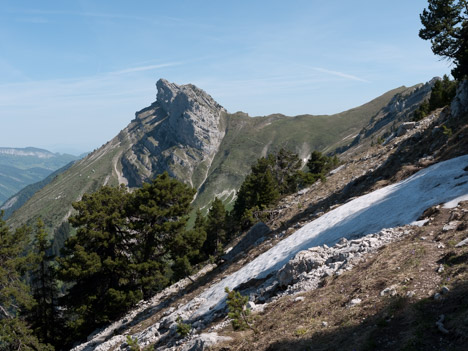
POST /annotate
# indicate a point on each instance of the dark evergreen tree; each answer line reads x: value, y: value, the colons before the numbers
x: 215, y: 229
x: 442, y: 93
x: 319, y: 165
x: 446, y: 26
x: 258, y: 191
x: 15, y: 297
x: 44, y: 315
x: 270, y: 177
x: 285, y: 170
x: 96, y: 261
x: 159, y: 214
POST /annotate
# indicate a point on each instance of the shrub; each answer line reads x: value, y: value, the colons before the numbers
x: 183, y: 329
x: 238, y: 311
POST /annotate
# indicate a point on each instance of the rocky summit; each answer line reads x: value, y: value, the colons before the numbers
x: 180, y: 133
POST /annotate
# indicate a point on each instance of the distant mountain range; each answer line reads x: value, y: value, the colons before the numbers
x: 188, y: 134
x: 20, y: 167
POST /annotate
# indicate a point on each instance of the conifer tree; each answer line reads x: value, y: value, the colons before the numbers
x: 15, y: 297
x: 319, y: 164
x: 96, y: 261
x: 159, y: 213
x: 285, y: 170
x: 446, y: 26
x: 44, y: 316
x: 215, y: 229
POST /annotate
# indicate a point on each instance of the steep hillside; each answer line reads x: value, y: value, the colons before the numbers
x: 188, y: 134
x: 20, y: 167
x: 395, y: 281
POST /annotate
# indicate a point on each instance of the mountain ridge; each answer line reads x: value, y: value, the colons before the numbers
x: 186, y: 133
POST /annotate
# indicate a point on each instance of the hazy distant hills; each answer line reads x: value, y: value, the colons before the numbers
x: 20, y: 167
x: 188, y: 134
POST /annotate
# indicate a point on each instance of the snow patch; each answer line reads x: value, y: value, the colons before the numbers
x: 395, y: 205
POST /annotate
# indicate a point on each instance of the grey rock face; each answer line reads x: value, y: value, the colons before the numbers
x: 401, y: 106
x: 460, y: 102
x: 404, y: 127
x: 180, y: 133
x: 193, y: 114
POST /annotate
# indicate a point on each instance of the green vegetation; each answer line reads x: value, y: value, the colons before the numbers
x: 275, y: 176
x: 319, y: 165
x: 127, y: 246
x: 215, y: 227
x: 442, y: 94
x: 446, y: 26
x: 15, y: 297
x: 183, y: 329
x: 43, y: 317
x: 124, y: 248
x: 238, y: 311
x: 135, y: 346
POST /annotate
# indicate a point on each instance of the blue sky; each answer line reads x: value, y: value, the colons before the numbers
x: 73, y: 73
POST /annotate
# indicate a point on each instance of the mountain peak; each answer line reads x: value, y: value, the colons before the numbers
x: 170, y: 94
x: 193, y: 113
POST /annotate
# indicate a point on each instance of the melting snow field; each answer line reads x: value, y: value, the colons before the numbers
x: 395, y: 205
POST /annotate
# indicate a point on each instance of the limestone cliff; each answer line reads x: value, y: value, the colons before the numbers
x: 180, y: 133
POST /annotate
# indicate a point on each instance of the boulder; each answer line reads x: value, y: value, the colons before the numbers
x: 303, y: 262
x: 255, y: 234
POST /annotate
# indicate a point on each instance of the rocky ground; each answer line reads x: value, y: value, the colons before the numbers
x: 407, y: 293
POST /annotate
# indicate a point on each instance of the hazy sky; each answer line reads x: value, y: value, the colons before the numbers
x: 73, y: 73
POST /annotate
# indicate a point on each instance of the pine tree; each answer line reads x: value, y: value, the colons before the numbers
x: 319, y: 164
x: 285, y: 170
x: 96, y: 261
x: 442, y: 93
x: 15, y: 297
x: 44, y: 315
x: 159, y: 213
x: 446, y: 26
x: 270, y: 177
x: 215, y: 229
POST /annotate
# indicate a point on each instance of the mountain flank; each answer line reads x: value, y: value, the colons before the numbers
x: 186, y: 133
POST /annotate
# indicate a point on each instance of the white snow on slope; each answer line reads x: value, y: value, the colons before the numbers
x: 395, y: 205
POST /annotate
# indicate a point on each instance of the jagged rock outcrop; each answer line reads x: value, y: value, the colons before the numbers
x: 180, y: 133
x: 459, y: 104
x: 397, y: 110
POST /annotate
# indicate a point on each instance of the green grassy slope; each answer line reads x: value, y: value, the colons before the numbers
x: 53, y: 202
x: 246, y: 139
